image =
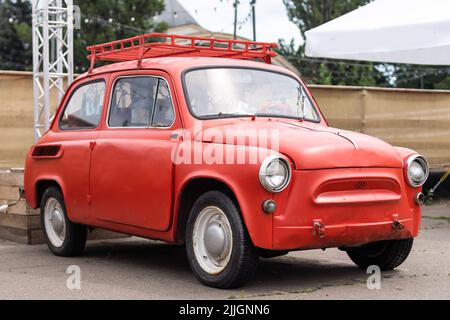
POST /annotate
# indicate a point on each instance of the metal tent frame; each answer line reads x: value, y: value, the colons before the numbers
x: 52, y: 57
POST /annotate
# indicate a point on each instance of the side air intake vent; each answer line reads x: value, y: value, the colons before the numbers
x: 52, y: 151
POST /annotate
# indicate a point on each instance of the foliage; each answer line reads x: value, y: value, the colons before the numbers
x: 101, y: 21
x: 109, y: 20
x: 308, y: 14
x: 424, y: 77
x: 15, y: 35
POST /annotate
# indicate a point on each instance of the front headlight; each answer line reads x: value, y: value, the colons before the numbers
x: 275, y: 173
x: 416, y: 170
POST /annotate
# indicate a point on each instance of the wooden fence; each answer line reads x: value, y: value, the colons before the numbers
x: 417, y: 119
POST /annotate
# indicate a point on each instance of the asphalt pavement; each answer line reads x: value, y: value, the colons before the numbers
x: 134, y: 268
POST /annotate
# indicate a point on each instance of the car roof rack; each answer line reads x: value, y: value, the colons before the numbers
x: 153, y: 45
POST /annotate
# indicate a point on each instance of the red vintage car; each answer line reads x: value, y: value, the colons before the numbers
x: 203, y: 142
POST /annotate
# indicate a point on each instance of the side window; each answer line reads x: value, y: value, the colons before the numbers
x: 84, y: 109
x: 132, y: 102
x: 164, y: 113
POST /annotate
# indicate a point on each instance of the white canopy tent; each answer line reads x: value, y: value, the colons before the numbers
x: 396, y: 31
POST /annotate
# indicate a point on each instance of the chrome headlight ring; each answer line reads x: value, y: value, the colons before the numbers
x: 275, y: 173
x: 416, y: 170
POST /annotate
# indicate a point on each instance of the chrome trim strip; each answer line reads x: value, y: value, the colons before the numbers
x: 419, y: 198
x: 349, y: 139
x: 263, y: 167
x: 423, y: 162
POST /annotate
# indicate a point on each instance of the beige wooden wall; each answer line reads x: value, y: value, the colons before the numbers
x: 16, y: 117
x: 418, y: 119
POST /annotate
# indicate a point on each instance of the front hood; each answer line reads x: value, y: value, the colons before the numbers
x: 310, y: 146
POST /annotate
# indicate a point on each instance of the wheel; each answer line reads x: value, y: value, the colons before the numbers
x: 387, y: 255
x: 219, y: 249
x: 63, y: 237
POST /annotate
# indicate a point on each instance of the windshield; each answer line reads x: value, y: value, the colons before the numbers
x: 228, y: 92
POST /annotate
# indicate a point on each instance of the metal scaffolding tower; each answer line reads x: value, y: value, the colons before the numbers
x: 52, y: 57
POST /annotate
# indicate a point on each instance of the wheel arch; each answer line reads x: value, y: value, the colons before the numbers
x: 190, y: 192
x: 43, y: 184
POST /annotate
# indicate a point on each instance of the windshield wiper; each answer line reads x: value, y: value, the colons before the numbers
x: 276, y: 115
x: 227, y: 115
x: 301, y: 98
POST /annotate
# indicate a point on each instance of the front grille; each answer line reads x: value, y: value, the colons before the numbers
x: 360, y: 185
x: 357, y: 190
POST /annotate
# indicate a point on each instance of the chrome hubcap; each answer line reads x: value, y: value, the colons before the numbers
x: 213, y: 240
x: 55, y: 223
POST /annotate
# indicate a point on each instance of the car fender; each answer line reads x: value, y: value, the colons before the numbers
x: 243, y: 181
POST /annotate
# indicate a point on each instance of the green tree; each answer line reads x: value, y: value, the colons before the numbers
x: 422, y: 77
x: 308, y: 14
x: 109, y: 20
x: 101, y: 21
x: 15, y: 35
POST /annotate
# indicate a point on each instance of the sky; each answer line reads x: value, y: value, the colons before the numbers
x: 272, y: 22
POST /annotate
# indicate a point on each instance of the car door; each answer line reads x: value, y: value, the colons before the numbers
x: 77, y: 127
x: 132, y: 170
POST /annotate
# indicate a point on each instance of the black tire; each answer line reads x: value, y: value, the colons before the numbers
x: 244, y: 256
x: 76, y: 234
x: 269, y: 254
x: 387, y: 255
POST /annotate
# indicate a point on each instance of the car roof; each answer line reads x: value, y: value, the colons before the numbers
x: 179, y: 64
